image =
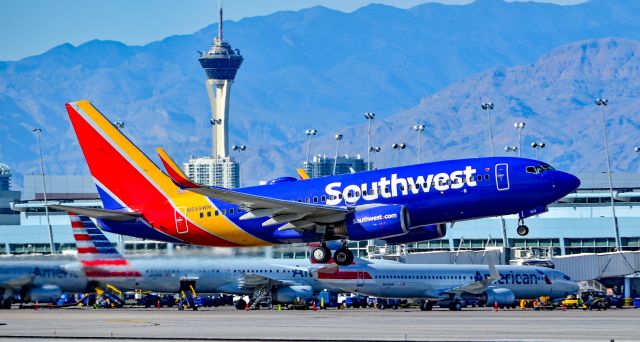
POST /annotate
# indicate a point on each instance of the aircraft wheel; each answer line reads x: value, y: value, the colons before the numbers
x: 455, y: 306
x: 343, y: 257
x: 522, y: 230
x: 240, y: 304
x: 321, y: 255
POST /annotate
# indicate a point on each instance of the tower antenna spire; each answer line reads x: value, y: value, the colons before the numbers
x: 220, y: 21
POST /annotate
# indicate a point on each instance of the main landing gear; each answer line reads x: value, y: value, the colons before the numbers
x: 522, y: 228
x: 322, y: 254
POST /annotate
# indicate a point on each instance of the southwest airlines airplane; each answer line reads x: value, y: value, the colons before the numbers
x: 450, y: 285
x: 400, y: 205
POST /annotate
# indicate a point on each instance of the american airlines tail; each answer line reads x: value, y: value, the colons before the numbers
x: 98, y: 258
x: 125, y: 177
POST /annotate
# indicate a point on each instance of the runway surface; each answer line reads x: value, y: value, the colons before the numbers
x: 357, y: 324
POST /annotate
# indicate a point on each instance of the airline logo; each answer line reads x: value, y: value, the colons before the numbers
x: 98, y: 257
x: 388, y: 188
x: 516, y: 278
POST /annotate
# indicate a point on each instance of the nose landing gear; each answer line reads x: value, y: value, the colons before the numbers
x: 522, y: 229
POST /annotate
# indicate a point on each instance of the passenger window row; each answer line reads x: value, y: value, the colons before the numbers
x: 224, y: 212
x: 459, y: 277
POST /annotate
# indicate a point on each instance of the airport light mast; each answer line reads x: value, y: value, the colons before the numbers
x: 220, y: 63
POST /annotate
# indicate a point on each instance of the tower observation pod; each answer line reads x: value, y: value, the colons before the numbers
x: 220, y: 63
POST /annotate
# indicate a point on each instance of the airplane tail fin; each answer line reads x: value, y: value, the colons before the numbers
x: 98, y: 257
x: 125, y: 177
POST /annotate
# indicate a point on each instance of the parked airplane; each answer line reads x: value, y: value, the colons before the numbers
x: 37, y: 280
x: 449, y: 285
x: 399, y: 205
x: 282, y: 281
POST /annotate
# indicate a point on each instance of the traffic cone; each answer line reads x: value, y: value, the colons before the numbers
x: 36, y: 307
x: 495, y: 306
x: 246, y: 308
x: 564, y: 307
x: 314, y: 306
x: 158, y: 304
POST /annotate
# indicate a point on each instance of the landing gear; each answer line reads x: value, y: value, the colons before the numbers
x: 522, y: 228
x: 426, y: 305
x: 321, y: 254
x: 455, y: 306
x: 240, y: 304
x: 343, y: 256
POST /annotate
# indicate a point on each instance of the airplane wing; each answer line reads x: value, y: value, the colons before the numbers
x: 106, y: 214
x: 296, y: 215
x: 477, y: 287
x: 251, y: 280
x: 16, y: 282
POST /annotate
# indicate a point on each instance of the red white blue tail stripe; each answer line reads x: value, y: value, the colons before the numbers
x: 98, y: 256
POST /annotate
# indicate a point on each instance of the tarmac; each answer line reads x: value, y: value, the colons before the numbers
x: 228, y: 324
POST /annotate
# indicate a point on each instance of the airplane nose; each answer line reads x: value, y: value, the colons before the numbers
x: 566, y: 182
x: 573, y: 287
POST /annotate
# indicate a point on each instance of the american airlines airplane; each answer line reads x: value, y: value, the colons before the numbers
x: 399, y: 205
x: 282, y: 280
x: 37, y: 280
x: 450, y: 285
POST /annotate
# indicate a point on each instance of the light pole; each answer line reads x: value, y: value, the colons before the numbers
x: 488, y: 106
x: 537, y: 146
x: 38, y: 132
x: 419, y: 129
x: 511, y: 149
x: 239, y: 148
x: 603, y: 103
x: 335, y: 160
x: 398, y: 148
x: 375, y: 150
x: 369, y: 116
x: 519, y: 126
x: 309, y: 133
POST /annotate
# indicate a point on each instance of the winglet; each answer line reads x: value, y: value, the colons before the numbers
x: 493, y: 273
x: 177, y: 176
x: 302, y: 174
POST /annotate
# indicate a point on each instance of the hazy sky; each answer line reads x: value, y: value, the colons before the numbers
x: 30, y: 27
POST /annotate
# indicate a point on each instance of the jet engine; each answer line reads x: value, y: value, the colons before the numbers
x: 375, y: 222
x: 285, y: 295
x: 422, y: 233
x: 501, y: 296
x: 46, y: 293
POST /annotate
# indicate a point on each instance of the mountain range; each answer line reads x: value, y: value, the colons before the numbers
x: 318, y: 68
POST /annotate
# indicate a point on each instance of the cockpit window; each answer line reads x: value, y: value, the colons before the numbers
x: 539, y: 168
x: 547, y: 167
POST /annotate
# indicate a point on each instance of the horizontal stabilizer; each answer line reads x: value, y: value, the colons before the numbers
x: 112, y: 215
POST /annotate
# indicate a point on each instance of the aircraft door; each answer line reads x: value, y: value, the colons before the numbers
x: 182, y: 226
x: 502, y: 176
x: 360, y: 281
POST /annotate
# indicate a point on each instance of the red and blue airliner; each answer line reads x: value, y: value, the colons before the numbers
x: 399, y: 205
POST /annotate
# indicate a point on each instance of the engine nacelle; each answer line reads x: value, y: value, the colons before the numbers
x: 44, y: 294
x: 500, y: 296
x: 375, y: 222
x: 285, y: 295
x: 422, y: 233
